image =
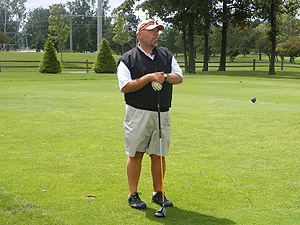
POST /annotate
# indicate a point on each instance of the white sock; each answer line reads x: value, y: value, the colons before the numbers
x: 154, y: 193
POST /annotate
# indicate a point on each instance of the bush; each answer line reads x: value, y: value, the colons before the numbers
x: 49, y: 63
x: 105, y: 62
x: 4, y: 38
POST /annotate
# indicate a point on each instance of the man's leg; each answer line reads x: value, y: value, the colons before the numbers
x: 156, y: 177
x: 156, y: 173
x: 134, y: 166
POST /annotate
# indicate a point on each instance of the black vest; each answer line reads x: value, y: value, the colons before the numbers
x: 139, y: 65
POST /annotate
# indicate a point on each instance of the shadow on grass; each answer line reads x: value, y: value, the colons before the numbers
x: 179, y: 216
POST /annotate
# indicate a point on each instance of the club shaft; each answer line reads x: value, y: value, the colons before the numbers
x: 162, y: 175
x: 160, y: 149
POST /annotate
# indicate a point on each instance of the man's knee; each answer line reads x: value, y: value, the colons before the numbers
x: 138, y: 157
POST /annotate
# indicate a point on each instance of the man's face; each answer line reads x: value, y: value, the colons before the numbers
x: 149, y: 37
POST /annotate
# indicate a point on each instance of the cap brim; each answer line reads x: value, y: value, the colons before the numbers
x: 151, y: 27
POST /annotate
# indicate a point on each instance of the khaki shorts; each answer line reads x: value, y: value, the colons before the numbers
x: 141, y: 131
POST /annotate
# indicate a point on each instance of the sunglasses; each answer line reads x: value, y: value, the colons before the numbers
x: 149, y: 23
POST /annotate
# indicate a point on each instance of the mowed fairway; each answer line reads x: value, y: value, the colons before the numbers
x: 230, y: 161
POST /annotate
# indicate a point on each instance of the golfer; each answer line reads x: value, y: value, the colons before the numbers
x: 142, y: 72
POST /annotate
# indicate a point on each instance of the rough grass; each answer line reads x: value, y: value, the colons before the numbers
x: 14, y: 210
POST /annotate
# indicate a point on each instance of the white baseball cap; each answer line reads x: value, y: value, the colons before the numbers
x: 148, y: 25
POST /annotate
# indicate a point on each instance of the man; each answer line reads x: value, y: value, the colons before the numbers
x: 142, y: 72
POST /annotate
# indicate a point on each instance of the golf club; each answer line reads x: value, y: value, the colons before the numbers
x: 162, y: 211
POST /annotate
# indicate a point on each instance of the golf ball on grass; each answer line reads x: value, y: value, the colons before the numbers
x: 253, y: 100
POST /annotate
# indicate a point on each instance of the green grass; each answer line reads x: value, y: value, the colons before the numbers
x: 230, y: 162
x: 17, y: 211
x: 261, y: 65
x: 37, y: 56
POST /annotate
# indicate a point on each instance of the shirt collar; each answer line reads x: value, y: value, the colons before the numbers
x: 147, y: 54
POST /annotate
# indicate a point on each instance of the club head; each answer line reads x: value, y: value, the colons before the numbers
x: 161, y: 212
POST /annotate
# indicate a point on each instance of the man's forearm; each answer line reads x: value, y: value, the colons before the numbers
x: 139, y: 83
x: 173, y: 78
x: 136, y: 84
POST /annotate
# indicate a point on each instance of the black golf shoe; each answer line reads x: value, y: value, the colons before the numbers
x: 157, y: 198
x: 135, y: 202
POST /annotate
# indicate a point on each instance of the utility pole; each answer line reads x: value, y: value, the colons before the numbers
x: 5, y: 26
x: 11, y: 27
x: 71, y: 34
x: 36, y: 41
x: 99, y: 24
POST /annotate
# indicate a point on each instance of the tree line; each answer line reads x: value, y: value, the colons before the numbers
x: 193, y: 27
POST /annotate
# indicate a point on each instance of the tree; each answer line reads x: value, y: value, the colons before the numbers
x: 92, y: 28
x: 225, y: 22
x: 58, y: 29
x: 127, y: 11
x: 37, y: 27
x: 121, y: 31
x: 214, y: 40
x: 92, y: 32
x: 9, y: 10
x: 263, y: 45
x: 12, y: 15
x: 239, y: 42
x: 105, y: 62
x: 236, y: 13
x: 183, y: 15
x: 4, y: 38
x: 233, y: 43
x: 208, y: 18
x: 173, y: 40
x: 271, y: 10
x: 291, y: 48
x: 49, y: 62
x: 289, y: 27
x: 246, y: 41
x: 259, y: 34
x: 81, y: 13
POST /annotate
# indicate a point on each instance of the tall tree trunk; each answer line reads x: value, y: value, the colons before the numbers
x: 207, y: 25
x: 191, y: 48
x: 273, y: 38
x: 206, y: 53
x: 222, y: 65
x: 186, y: 69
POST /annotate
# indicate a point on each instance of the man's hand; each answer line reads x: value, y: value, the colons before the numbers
x: 157, y: 77
x: 137, y: 84
x: 156, y: 86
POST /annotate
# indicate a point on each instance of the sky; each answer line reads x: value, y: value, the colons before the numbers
x: 32, y: 4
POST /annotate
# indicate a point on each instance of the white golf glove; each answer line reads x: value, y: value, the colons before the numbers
x: 156, y: 86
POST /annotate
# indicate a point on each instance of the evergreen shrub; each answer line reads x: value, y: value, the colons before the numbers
x: 105, y: 62
x: 49, y: 63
